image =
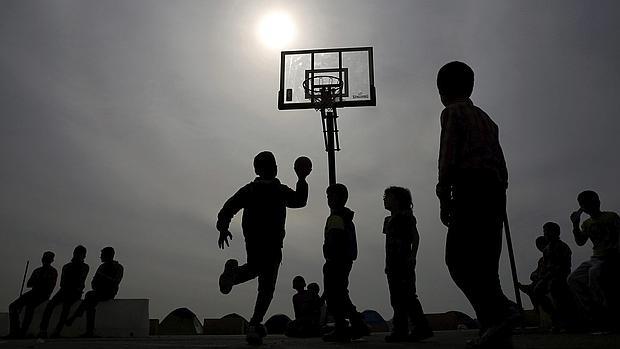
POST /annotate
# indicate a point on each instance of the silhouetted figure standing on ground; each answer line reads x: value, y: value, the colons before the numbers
x: 536, y: 275
x: 105, y: 285
x: 41, y: 282
x: 340, y: 250
x: 401, y: 247
x: 72, y: 281
x: 591, y: 282
x: 307, y: 308
x: 264, y: 202
x: 472, y: 191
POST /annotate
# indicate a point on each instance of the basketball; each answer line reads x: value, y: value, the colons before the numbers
x: 303, y: 164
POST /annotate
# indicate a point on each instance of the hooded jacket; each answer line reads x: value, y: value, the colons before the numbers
x: 340, y: 242
x: 264, y: 203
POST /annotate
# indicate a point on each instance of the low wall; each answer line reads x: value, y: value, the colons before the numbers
x: 115, y: 318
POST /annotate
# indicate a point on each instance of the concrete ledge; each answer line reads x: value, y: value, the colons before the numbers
x: 115, y: 318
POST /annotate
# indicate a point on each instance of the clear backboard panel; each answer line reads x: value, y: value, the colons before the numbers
x: 352, y: 67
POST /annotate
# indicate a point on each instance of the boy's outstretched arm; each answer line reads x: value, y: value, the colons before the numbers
x: 226, y: 214
x: 299, y: 197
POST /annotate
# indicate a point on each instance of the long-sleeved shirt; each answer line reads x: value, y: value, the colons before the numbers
x: 108, y: 277
x: 340, y: 243
x: 401, y: 241
x: 469, y: 143
x: 43, y: 280
x: 264, y: 204
x: 73, y: 276
x: 603, y: 231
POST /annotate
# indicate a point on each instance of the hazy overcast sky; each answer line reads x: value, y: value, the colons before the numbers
x: 129, y: 123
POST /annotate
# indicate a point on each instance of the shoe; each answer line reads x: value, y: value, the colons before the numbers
x: 478, y: 343
x: 255, y: 334
x: 420, y: 335
x: 227, y: 279
x: 338, y: 336
x: 396, y: 337
x: 494, y: 338
x: 359, y: 329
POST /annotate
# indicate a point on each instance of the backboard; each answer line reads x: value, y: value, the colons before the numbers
x: 352, y: 66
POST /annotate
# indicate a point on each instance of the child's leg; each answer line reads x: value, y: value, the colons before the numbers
x: 415, y: 311
x: 267, y: 278
x: 397, y: 290
x: 335, y: 283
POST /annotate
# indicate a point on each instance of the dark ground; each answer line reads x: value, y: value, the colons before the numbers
x: 442, y: 340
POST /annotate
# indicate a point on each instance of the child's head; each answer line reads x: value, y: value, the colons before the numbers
x: 541, y: 243
x: 337, y: 195
x: 455, y: 80
x: 107, y: 254
x: 265, y: 165
x: 299, y: 283
x: 48, y: 257
x: 397, y: 199
x: 79, y: 253
x: 551, y: 231
x: 314, y: 287
x: 589, y: 201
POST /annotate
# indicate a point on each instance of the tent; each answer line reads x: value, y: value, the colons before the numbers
x: 277, y: 324
x: 375, y: 321
x: 180, y: 321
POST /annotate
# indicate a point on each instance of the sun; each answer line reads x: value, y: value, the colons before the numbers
x: 276, y: 29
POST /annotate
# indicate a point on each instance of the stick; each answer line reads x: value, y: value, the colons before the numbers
x: 513, y: 266
x: 24, y: 279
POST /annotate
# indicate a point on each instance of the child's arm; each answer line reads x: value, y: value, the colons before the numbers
x: 299, y: 197
x: 448, y: 146
x: 580, y: 237
x: 226, y: 214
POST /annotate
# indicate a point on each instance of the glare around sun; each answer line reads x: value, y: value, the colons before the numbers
x: 276, y: 29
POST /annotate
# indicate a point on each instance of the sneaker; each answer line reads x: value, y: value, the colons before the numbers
x: 359, y: 328
x: 420, y: 335
x: 396, y: 337
x: 255, y: 334
x: 227, y: 279
x: 338, y: 336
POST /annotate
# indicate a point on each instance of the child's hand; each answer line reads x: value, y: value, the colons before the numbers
x: 445, y: 214
x: 224, y: 235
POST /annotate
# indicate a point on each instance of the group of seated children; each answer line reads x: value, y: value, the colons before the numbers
x: 587, y: 297
x: 42, y: 282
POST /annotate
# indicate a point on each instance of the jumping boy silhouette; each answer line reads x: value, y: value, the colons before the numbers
x: 264, y: 202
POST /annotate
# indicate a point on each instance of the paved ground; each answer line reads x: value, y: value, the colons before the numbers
x: 442, y: 340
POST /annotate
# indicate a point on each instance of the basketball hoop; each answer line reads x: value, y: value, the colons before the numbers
x: 323, y: 90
